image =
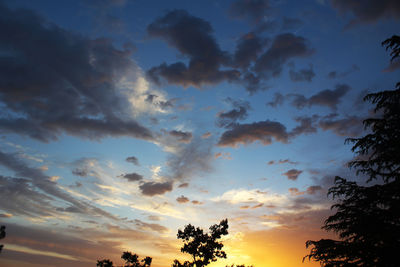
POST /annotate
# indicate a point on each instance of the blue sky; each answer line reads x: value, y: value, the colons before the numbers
x: 124, y: 120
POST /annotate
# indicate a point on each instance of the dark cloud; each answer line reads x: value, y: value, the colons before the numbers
x: 350, y: 126
x: 183, y: 185
x: 183, y: 137
x: 368, y: 11
x: 284, y: 47
x: 154, y: 99
x: 263, y: 131
x: 307, y: 126
x: 282, y: 161
x: 133, y: 160
x: 151, y: 226
x: 239, y: 112
x: 155, y: 188
x: 302, y: 75
x: 328, y: 98
x: 80, y: 172
x: 132, y: 177
x: 291, y: 24
x: 311, y: 190
x: 338, y: 74
x: 54, y: 81
x: 255, y: 10
x: 182, y: 199
x: 248, y: 47
x: 192, y: 36
x: 277, y: 101
x: 83, y: 167
x: 38, y: 189
x: 292, y: 174
x: 196, y: 202
x: 19, y: 197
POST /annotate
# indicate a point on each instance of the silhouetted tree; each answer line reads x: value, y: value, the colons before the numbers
x: 104, y: 263
x: 368, y: 217
x: 131, y: 260
x: 2, y: 235
x: 203, y: 247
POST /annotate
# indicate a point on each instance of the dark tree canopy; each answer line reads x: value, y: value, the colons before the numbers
x: 367, y: 219
x: 203, y: 247
x: 2, y: 235
x: 131, y: 260
x: 104, y: 263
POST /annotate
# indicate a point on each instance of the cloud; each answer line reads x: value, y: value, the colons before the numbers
x: 311, y: 190
x: 192, y: 36
x: 182, y: 199
x: 155, y: 188
x: 291, y: 24
x: 337, y: 74
x: 239, y: 112
x: 133, y: 160
x: 18, y: 196
x: 255, y: 10
x: 35, y: 192
x: 292, y: 174
x: 196, y: 202
x: 368, y: 11
x: 191, y: 159
x: 263, y: 131
x: 151, y: 226
x: 248, y: 48
x: 284, y: 47
x: 51, y: 65
x: 307, y: 125
x: 132, y: 177
x: 295, y: 191
x: 183, y: 185
x: 277, y: 101
x: 183, y: 137
x: 206, y: 135
x: 350, y: 126
x: 302, y: 75
x: 253, y: 196
x: 281, y: 161
x: 328, y: 98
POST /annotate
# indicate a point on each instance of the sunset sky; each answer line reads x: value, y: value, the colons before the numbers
x: 122, y: 121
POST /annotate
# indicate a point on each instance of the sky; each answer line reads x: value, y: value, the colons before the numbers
x: 122, y: 121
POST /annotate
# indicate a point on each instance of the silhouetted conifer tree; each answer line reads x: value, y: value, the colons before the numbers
x: 368, y: 217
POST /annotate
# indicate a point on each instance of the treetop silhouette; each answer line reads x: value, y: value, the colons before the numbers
x: 203, y: 247
x: 131, y: 260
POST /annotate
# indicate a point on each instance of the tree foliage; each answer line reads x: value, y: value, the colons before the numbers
x: 203, y: 247
x: 367, y: 219
x: 131, y: 260
x: 2, y: 235
x: 104, y: 263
